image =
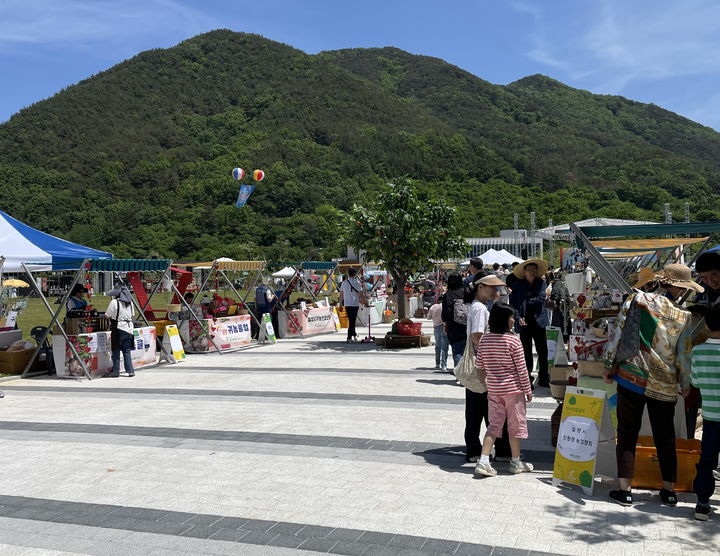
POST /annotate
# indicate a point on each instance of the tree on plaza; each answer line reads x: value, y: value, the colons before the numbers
x: 406, y: 234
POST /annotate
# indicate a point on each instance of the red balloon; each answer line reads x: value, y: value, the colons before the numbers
x: 258, y: 175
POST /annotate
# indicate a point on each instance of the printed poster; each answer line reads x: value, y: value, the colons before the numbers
x: 172, y: 343
x: 585, y: 428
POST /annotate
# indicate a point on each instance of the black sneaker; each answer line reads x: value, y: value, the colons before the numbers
x: 622, y: 497
x: 669, y: 498
x: 702, y: 511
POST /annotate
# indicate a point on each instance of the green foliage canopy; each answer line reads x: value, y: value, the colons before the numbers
x: 405, y: 233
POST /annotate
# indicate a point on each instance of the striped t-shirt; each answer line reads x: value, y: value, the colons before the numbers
x: 502, y: 357
x: 705, y: 375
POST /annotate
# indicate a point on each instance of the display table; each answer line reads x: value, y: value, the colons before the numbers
x: 94, y: 348
x: 375, y: 311
x: 308, y: 322
x: 228, y: 332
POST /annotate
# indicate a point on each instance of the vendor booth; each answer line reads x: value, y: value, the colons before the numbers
x: 21, y: 244
x: 300, y: 319
x: 226, y: 323
x: 81, y: 341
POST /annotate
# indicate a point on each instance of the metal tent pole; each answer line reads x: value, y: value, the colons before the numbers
x: 54, y: 321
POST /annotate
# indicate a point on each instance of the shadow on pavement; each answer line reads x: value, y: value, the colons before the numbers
x: 440, y: 382
x: 340, y: 346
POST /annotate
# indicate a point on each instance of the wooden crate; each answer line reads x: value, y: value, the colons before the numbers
x: 13, y: 362
x: 396, y: 341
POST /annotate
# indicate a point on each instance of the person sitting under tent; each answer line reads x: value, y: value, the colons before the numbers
x: 76, y: 302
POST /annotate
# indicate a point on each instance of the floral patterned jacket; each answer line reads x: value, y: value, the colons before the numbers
x: 661, y: 334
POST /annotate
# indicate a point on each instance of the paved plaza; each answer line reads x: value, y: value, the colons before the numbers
x: 304, y: 446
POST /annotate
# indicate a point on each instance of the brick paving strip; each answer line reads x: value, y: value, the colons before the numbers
x: 89, y: 390
x: 241, y: 530
x: 316, y: 446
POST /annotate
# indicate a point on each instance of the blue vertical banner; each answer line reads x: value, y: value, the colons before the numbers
x: 244, y: 195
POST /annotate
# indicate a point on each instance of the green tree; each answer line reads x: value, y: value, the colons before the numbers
x: 407, y: 235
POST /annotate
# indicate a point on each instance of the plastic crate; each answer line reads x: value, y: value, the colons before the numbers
x: 647, y: 467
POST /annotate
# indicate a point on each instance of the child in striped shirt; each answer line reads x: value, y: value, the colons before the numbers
x: 705, y: 375
x: 500, y: 354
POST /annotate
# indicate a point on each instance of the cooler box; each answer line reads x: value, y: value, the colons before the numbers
x: 647, y: 467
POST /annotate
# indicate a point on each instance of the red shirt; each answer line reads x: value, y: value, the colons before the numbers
x: 502, y: 357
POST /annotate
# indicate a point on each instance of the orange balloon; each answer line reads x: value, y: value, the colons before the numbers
x: 258, y: 175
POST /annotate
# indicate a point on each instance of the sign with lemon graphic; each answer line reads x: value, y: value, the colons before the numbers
x: 586, y: 434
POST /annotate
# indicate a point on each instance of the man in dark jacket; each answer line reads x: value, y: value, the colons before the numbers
x: 528, y: 299
x: 456, y: 332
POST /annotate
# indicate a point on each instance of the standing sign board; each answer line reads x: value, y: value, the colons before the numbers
x: 586, y: 440
x: 173, y: 343
x: 556, y: 347
x: 267, y: 332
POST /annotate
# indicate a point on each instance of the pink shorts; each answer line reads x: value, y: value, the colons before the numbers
x: 510, y: 407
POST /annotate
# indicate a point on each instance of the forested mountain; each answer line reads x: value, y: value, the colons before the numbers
x: 137, y: 159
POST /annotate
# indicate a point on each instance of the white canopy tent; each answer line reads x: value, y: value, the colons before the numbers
x: 287, y: 272
x: 492, y: 256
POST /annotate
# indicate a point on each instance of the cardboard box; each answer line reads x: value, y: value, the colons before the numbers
x: 13, y: 362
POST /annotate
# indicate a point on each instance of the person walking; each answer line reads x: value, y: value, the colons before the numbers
x: 476, y: 404
x: 350, y: 299
x: 120, y: 311
x: 528, y: 298
x: 500, y: 354
x: 648, y: 354
x: 705, y: 375
x: 456, y: 331
x: 441, y: 339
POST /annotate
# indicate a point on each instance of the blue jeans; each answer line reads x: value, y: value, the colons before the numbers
x: 458, y: 348
x: 124, y: 343
x: 441, y: 346
x: 704, y: 484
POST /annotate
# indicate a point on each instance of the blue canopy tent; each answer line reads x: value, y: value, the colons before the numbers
x: 20, y: 243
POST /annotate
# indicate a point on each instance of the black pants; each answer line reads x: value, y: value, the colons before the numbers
x: 476, y: 411
x: 704, y: 484
x: 629, y: 413
x: 352, y: 312
x: 530, y: 333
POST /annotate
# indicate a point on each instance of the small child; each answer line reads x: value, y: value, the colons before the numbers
x: 441, y: 339
x: 500, y: 354
x: 705, y: 375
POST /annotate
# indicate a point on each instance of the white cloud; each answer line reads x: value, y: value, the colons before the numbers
x: 637, y: 41
x: 48, y: 22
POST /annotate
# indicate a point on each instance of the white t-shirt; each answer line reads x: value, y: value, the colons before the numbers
x: 478, y: 317
x: 350, y: 289
x: 122, y: 313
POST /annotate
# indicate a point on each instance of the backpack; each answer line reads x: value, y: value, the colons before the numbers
x: 460, y: 311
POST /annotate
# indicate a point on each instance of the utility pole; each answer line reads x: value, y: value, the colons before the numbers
x: 533, y: 248
x: 552, y: 240
x: 668, y: 213
x: 515, y: 235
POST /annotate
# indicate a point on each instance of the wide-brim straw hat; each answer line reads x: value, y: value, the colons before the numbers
x: 679, y: 275
x: 644, y: 276
x: 490, y: 280
x: 519, y: 270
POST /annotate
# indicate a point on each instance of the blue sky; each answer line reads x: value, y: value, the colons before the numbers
x: 663, y: 51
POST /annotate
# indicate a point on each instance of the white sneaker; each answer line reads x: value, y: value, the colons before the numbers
x: 484, y: 469
x: 520, y: 467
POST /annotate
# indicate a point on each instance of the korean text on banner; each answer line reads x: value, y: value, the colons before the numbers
x: 585, y: 433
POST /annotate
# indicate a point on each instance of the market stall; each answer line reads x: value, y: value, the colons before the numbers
x: 226, y: 322
x: 81, y: 339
